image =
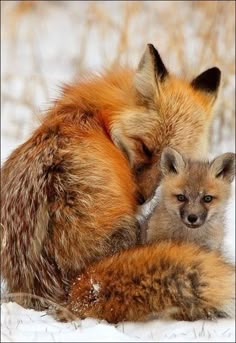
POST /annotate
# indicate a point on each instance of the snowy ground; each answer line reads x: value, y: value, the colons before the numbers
x: 19, y: 325
x: 42, y: 50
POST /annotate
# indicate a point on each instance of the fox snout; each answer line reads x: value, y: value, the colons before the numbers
x: 193, y: 219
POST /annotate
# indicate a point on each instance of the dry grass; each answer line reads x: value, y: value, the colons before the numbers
x: 191, y: 36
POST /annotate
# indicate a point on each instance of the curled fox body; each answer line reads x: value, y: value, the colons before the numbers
x: 193, y: 199
x: 167, y: 280
x: 70, y: 193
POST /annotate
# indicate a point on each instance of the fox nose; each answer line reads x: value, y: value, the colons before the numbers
x: 192, y: 218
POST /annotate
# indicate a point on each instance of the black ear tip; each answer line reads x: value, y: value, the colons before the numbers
x: 215, y: 72
x: 151, y: 46
x: 214, y: 75
x: 208, y: 81
x: 158, y: 63
x: 152, y: 50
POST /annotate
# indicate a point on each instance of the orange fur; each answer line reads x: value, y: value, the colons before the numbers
x: 70, y: 193
x: 178, y: 281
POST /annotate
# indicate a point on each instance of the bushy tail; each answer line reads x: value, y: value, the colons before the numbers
x: 26, y: 181
x: 168, y: 280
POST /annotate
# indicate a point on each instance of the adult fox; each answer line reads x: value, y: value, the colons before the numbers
x: 70, y: 193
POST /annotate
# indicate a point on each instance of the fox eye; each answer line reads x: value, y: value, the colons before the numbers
x: 147, y: 151
x: 181, y: 197
x: 139, y: 168
x: 207, y: 198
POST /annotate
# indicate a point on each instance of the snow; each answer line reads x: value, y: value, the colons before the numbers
x: 21, y: 325
x: 96, y: 287
x: 34, y: 62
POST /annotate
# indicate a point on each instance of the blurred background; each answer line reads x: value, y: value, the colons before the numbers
x: 47, y: 43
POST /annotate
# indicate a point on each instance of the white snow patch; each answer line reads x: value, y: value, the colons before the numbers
x: 96, y: 287
x: 21, y: 325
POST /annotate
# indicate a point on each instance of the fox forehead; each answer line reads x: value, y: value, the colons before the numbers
x: 196, y: 180
x: 177, y: 127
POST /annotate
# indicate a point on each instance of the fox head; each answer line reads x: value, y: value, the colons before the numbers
x: 163, y: 110
x: 195, y: 191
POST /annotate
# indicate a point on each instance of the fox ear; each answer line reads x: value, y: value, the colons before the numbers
x: 151, y: 71
x: 171, y: 161
x: 208, y: 82
x: 223, y: 167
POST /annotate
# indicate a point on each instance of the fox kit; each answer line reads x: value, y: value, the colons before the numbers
x: 71, y: 191
x: 167, y: 280
x: 193, y: 199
